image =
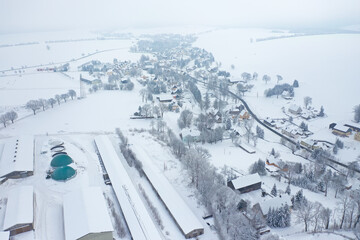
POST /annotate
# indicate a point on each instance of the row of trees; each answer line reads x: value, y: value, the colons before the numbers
x: 43, y: 104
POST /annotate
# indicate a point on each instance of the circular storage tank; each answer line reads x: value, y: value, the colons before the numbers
x: 61, y: 160
x: 63, y: 173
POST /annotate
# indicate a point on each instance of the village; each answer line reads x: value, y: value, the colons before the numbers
x: 198, y: 112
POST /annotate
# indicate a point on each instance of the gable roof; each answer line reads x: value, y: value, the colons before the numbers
x: 17, y: 155
x: 20, y: 207
x: 85, y: 212
x: 245, y: 181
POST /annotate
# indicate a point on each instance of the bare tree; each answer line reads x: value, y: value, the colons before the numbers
x: 307, y: 101
x: 64, y: 96
x: 306, y: 214
x: 325, y: 215
x: 4, y: 119
x: 33, y: 105
x: 345, y: 200
x: 248, y: 126
x: 42, y: 103
x: 72, y: 94
x: 58, y: 98
x: 51, y: 101
x: 317, y: 215
x: 266, y: 78
x: 146, y: 110
x: 12, y: 116
x: 163, y: 109
x: 185, y: 119
x: 279, y: 78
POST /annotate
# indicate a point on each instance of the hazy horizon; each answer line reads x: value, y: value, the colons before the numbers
x: 41, y: 15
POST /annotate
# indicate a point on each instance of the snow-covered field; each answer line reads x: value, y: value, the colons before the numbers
x: 326, y: 66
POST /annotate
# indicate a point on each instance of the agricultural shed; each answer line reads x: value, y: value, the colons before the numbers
x: 137, y: 218
x: 86, y: 215
x: 185, y: 219
x: 19, y: 215
x: 17, y: 158
x: 246, y: 183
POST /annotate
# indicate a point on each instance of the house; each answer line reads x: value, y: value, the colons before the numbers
x: 295, y: 109
x: 244, y: 115
x: 286, y: 95
x: 310, y: 144
x: 341, y: 131
x: 190, y: 135
x: 276, y: 202
x: 246, y: 183
x: 268, y: 121
x: 19, y: 215
x: 353, y: 128
x: 86, y: 215
x: 17, y: 159
x: 357, y: 136
x: 217, y: 116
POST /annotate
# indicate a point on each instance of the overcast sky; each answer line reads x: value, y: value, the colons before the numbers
x: 45, y: 15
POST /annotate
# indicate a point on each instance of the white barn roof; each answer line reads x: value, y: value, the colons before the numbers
x: 20, y: 207
x: 4, y: 235
x: 137, y: 217
x: 276, y: 202
x: 245, y: 181
x: 17, y: 156
x: 186, y: 219
x: 85, y: 212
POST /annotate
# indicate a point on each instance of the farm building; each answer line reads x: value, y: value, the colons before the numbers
x: 295, y: 109
x: 4, y: 235
x: 19, y: 215
x: 341, y: 131
x: 353, y: 128
x: 130, y: 202
x: 357, y: 136
x: 17, y: 159
x: 86, y: 215
x: 184, y: 218
x: 246, y: 183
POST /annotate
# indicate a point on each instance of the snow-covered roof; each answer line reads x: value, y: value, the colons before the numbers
x: 182, y: 214
x: 85, y: 212
x: 20, y: 207
x: 17, y: 155
x: 294, y: 107
x: 138, y: 219
x: 191, y: 132
x: 341, y: 128
x: 245, y: 181
x: 274, y: 203
x: 4, y: 235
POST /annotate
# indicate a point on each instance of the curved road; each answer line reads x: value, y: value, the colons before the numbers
x: 276, y: 132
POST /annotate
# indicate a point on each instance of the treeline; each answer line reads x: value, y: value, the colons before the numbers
x: 43, y: 104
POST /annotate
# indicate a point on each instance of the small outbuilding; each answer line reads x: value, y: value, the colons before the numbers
x: 86, y: 215
x: 19, y: 215
x: 17, y: 158
x: 246, y: 183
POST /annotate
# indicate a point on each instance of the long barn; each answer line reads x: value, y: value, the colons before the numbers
x: 17, y: 158
x: 138, y: 220
x: 185, y: 219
